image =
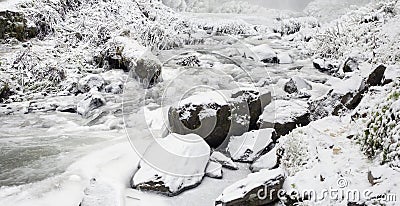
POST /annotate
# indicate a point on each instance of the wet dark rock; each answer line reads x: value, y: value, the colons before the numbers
x: 376, y: 77
x: 5, y: 92
x: 67, y: 108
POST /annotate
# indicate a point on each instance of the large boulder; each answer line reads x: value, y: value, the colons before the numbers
x: 119, y: 53
x: 92, y: 81
x: 346, y: 94
x: 247, y: 147
x: 223, y: 160
x: 296, y: 84
x: 147, y: 69
x: 15, y: 25
x: 172, y: 164
x: 91, y: 101
x: 284, y: 116
x: 218, y: 115
x: 260, y: 188
x: 265, y: 53
x: 376, y: 77
x: 325, y: 66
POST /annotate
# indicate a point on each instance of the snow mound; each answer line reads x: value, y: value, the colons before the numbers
x: 173, y: 164
x: 246, y: 147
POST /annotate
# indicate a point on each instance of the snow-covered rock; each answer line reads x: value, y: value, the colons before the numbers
x: 346, y: 94
x: 350, y: 65
x: 214, y: 170
x: 266, y: 161
x: 391, y: 74
x: 296, y: 84
x: 91, y: 101
x: 92, y: 81
x: 148, y: 69
x: 258, y: 188
x: 265, y: 53
x: 325, y: 66
x: 284, y: 58
x: 100, y: 193
x: 285, y: 115
x: 217, y: 115
x: 120, y: 53
x: 247, y: 147
x: 223, y: 160
x: 172, y: 164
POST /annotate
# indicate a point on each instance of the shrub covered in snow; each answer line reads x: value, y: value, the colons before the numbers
x: 293, y: 25
x: 381, y: 135
x: 370, y: 33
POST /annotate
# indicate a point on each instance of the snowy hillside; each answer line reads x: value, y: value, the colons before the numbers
x: 199, y: 102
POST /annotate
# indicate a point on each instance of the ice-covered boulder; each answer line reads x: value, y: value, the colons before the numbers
x: 214, y: 170
x: 218, y: 115
x: 100, y: 193
x: 284, y: 58
x: 247, y: 147
x: 14, y: 25
x: 172, y: 164
x: 258, y: 188
x: 325, y: 66
x: 92, y: 100
x: 92, y: 81
x: 296, y: 84
x: 284, y: 116
x: 147, y: 69
x: 265, y: 53
x: 266, y: 161
x: 223, y: 160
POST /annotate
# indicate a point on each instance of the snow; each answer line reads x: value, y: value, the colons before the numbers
x: 254, y: 180
x: 283, y: 111
x: 263, y: 51
x: 176, y: 162
x: 248, y: 146
x: 214, y: 170
x: 223, y: 160
x: 284, y: 58
x: 266, y: 161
